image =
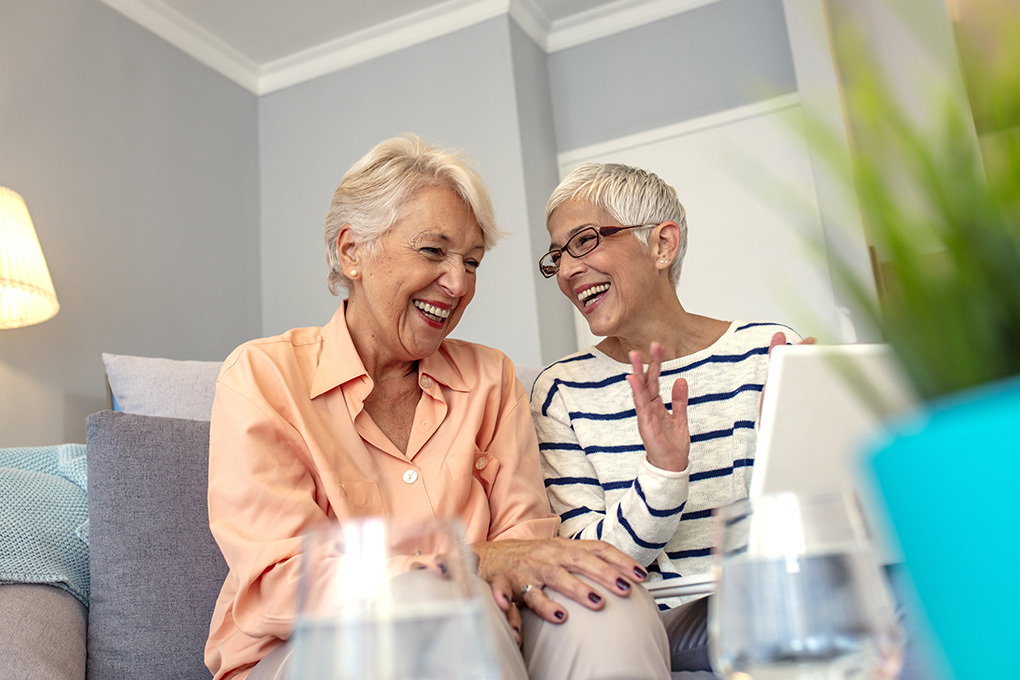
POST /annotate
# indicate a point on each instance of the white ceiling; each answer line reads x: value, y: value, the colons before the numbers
x: 266, y: 45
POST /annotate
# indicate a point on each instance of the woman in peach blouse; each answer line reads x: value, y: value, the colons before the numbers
x: 379, y: 412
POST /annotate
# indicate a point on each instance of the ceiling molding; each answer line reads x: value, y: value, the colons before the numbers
x: 392, y: 36
x: 191, y: 38
x: 532, y: 20
x: 614, y: 17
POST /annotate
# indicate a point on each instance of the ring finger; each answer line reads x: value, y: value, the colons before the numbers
x: 535, y: 599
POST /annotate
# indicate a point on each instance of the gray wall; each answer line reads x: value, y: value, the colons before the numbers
x: 538, y: 145
x: 139, y: 167
x: 709, y: 59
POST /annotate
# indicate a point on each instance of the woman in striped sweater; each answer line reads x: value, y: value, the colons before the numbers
x: 645, y: 433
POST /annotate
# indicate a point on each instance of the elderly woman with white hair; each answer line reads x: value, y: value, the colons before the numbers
x: 643, y: 435
x: 379, y: 412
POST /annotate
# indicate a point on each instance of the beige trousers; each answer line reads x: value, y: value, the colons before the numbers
x: 624, y: 641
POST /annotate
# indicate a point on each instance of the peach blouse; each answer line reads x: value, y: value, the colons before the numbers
x: 291, y: 447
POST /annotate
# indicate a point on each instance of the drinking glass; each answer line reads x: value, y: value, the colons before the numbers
x: 382, y: 600
x: 800, y: 594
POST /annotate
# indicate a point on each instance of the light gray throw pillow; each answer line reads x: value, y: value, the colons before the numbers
x: 156, y: 570
x: 162, y: 387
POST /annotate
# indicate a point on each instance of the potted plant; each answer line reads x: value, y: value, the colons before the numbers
x: 943, y: 214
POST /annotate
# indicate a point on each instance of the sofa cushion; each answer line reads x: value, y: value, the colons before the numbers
x: 156, y: 570
x: 162, y: 387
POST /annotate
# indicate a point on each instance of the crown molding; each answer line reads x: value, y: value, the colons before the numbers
x: 615, y: 17
x: 572, y: 157
x: 532, y: 20
x: 190, y: 38
x: 392, y: 36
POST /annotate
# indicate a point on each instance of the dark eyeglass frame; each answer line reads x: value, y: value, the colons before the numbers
x: 549, y: 264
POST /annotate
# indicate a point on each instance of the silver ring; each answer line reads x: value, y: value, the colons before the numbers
x: 525, y: 589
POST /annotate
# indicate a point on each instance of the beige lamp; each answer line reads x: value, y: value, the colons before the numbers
x: 26, y: 290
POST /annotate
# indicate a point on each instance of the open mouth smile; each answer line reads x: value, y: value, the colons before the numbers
x: 434, y: 314
x: 588, y: 296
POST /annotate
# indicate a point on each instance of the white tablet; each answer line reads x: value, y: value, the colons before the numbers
x: 823, y: 405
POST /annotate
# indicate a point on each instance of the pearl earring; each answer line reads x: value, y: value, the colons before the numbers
x: 354, y: 272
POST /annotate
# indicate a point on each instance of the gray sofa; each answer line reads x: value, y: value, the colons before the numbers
x: 154, y: 568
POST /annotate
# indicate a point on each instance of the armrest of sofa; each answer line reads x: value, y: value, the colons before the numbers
x: 43, y: 633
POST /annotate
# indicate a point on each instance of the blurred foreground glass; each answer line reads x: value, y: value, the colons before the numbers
x: 800, y: 594
x: 386, y: 601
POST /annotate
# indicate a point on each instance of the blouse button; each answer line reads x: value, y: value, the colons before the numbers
x: 426, y: 382
x: 410, y: 477
x: 480, y: 463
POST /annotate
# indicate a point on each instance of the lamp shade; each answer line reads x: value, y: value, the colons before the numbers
x: 26, y: 290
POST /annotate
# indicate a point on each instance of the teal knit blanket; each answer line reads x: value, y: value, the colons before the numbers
x: 44, y: 517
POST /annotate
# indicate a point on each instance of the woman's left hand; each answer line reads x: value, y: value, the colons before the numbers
x: 665, y: 435
x: 518, y: 570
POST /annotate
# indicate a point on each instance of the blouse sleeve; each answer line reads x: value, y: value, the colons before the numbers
x: 518, y: 503
x: 262, y: 497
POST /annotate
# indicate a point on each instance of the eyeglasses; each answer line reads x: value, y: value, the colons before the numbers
x: 580, y: 244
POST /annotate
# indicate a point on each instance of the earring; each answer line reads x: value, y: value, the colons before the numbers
x: 664, y: 261
x: 354, y: 272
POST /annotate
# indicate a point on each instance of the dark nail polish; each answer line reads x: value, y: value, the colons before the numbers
x: 622, y: 585
x: 641, y: 573
x: 594, y: 597
x: 560, y: 614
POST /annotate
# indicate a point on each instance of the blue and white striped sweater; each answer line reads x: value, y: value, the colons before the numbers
x: 594, y: 463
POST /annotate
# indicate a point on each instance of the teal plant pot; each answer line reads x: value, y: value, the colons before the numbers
x: 950, y: 481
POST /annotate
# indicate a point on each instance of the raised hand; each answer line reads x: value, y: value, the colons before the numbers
x: 665, y: 435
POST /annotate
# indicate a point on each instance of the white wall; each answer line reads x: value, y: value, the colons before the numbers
x: 140, y: 170
x: 756, y: 243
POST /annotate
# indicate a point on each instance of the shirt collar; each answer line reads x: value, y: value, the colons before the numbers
x: 441, y: 368
x: 340, y: 361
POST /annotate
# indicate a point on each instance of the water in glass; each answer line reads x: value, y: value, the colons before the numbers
x: 800, y: 593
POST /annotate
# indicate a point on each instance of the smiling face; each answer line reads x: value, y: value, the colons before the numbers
x: 410, y: 293
x: 611, y: 284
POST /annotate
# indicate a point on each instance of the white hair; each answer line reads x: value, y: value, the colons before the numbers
x: 373, y: 193
x: 631, y: 196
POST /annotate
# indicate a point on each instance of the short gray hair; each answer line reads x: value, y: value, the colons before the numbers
x: 630, y: 195
x: 373, y: 193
